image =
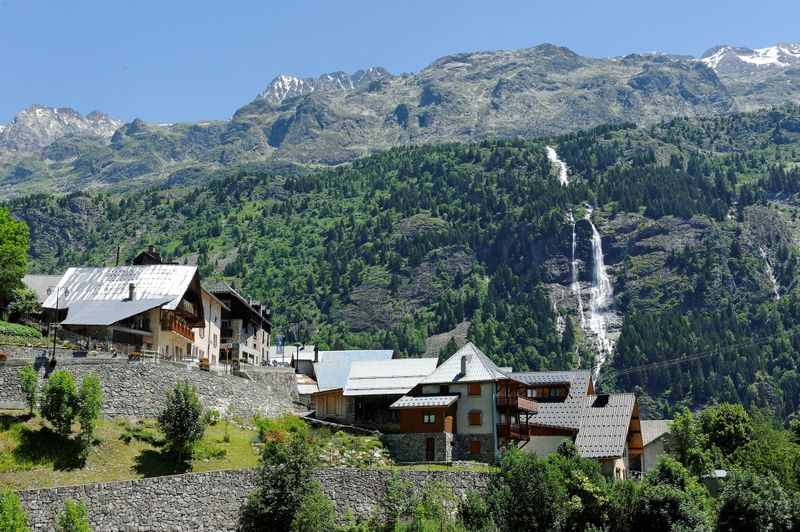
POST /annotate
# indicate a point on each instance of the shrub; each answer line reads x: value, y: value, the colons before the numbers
x: 181, y: 421
x: 29, y: 385
x: 752, y: 501
x: 90, y: 400
x: 475, y: 512
x: 400, y: 501
x: 15, y: 329
x: 74, y: 518
x: 12, y: 516
x: 522, y: 474
x: 143, y: 430
x: 284, y: 480
x: 316, y: 513
x: 211, y: 417
x: 59, y: 401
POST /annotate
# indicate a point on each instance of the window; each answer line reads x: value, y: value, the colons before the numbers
x: 202, y: 333
x: 474, y: 448
x: 531, y: 392
x: 474, y: 388
x: 556, y: 392
x: 428, y: 418
x: 475, y: 417
x: 444, y: 388
x: 215, y: 339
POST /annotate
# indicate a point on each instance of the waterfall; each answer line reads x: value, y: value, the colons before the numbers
x: 770, y: 273
x: 576, y: 285
x: 601, y: 296
x: 552, y: 156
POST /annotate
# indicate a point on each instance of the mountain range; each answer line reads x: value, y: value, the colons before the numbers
x: 297, y: 123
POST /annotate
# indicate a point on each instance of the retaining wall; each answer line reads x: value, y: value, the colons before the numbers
x: 211, y: 501
x: 137, y: 389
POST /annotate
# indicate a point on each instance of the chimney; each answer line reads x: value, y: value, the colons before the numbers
x: 151, y: 248
x: 316, y: 353
x: 464, y: 361
x: 131, y: 291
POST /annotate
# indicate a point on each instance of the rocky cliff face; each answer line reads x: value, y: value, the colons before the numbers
x: 286, y: 87
x: 38, y: 126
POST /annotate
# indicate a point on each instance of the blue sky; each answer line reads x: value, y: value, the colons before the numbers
x: 175, y: 60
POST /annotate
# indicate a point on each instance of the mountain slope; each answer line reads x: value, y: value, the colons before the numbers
x: 695, y: 219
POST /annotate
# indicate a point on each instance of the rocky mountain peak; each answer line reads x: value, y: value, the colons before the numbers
x: 284, y: 87
x: 737, y: 59
x: 39, y: 125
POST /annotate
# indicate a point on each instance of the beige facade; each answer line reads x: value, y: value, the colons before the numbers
x: 207, y: 339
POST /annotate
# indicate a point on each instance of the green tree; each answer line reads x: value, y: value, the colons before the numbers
x: 12, y: 516
x: 29, y: 385
x: 522, y: 474
x: 661, y: 507
x: 23, y: 302
x: 90, y: 399
x: 690, y: 443
x: 753, y: 501
x: 728, y: 426
x: 73, y: 518
x: 475, y: 513
x: 316, y: 513
x: 181, y: 420
x: 284, y: 480
x: 59, y: 401
x: 14, y: 238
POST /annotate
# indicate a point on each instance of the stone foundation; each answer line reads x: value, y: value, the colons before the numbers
x: 411, y: 447
x: 461, y: 451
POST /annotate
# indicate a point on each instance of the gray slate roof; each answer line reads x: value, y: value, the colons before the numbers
x: 479, y: 368
x: 604, y: 426
x: 332, y: 372
x: 387, y: 377
x: 652, y: 429
x: 566, y: 414
x: 425, y: 401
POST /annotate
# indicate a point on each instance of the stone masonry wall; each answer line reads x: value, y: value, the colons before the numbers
x: 211, y: 501
x: 274, y: 379
x: 411, y: 447
x: 137, y: 389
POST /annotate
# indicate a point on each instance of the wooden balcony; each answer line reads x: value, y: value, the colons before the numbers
x: 513, y: 431
x: 519, y: 403
x: 178, y: 328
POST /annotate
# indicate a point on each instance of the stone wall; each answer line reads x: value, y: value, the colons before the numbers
x: 275, y: 379
x: 461, y: 451
x: 22, y: 352
x: 137, y: 389
x: 411, y: 447
x: 211, y: 501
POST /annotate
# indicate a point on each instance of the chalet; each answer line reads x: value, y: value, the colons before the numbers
x: 331, y: 373
x: 245, y: 327
x: 604, y: 427
x: 467, y: 408
x: 134, y: 308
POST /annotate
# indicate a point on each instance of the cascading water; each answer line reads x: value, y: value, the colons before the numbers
x: 601, y: 297
x: 552, y: 156
x: 576, y: 285
x: 770, y: 273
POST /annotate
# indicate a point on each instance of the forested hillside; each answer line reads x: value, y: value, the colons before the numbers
x: 698, y: 224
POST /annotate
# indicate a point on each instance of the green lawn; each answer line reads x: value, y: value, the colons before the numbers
x: 32, y: 456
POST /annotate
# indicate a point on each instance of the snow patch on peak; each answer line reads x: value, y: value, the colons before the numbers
x: 779, y: 55
x: 284, y: 87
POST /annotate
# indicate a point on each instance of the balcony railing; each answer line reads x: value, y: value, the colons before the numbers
x: 178, y: 328
x: 520, y: 403
x: 513, y: 431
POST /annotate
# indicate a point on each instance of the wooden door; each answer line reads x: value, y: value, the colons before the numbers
x: 430, y: 449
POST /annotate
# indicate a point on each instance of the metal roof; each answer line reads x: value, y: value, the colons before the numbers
x: 479, y: 368
x: 40, y: 284
x: 425, y: 401
x: 332, y: 372
x: 652, y: 429
x: 104, y: 313
x: 387, y: 377
x: 305, y: 384
x: 221, y: 287
x: 158, y: 281
x: 605, y: 422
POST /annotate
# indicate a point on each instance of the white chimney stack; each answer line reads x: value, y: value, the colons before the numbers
x: 464, y: 360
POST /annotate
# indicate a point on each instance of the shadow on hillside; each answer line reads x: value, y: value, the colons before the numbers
x: 43, y: 446
x: 152, y: 463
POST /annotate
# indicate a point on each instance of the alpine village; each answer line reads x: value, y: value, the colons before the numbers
x: 514, y: 290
